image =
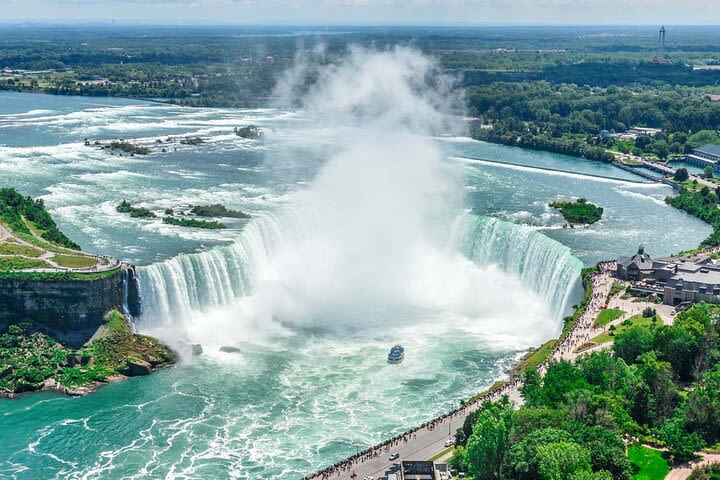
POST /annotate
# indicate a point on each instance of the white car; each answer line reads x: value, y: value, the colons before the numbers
x: 449, y: 443
x: 394, y: 456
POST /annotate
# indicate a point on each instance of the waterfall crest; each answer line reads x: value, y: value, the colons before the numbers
x: 189, y: 283
x: 545, y: 266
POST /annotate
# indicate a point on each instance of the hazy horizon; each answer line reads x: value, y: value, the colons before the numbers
x: 363, y: 12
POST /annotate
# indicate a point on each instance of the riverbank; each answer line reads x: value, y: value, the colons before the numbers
x: 32, y: 361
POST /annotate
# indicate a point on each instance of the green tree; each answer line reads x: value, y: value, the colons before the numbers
x: 585, y: 475
x: 561, y: 378
x: 661, y: 149
x: 658, y: 376
x: 681, y: 444
x: 489, y: 443
x: 522, y: 459
x: 607, y: 450
x: 633, y: 342
x: 681, y: 174
x: 559, y: 461
x: 701, y: 411
x: 531, y: 387
x: 708, y: 172
x: 703, y: 137
x: 457, y: 461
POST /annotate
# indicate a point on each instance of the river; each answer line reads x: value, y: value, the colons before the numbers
x: 310, y: 384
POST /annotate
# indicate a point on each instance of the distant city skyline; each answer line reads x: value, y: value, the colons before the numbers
x: 366, y: 12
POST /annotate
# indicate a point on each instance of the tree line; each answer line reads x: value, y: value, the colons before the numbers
x: 660, y: 384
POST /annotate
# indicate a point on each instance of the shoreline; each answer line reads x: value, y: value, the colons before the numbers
x: 52, y: 386
x: 113, y: 354
x: 124, y: 97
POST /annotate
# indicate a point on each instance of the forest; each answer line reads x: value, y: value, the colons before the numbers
x: 659, y: 388
x: 238, y: 66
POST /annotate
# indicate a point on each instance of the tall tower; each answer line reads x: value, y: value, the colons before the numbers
x: 661, y: 44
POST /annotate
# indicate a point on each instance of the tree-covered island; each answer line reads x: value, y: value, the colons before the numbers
x: 135, y: 212
x: 180, y: 218
x: 192, y: 222
x: 217, y: 210
x: 579, y: 212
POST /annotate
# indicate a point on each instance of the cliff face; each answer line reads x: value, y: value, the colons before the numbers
x: 68, y: 310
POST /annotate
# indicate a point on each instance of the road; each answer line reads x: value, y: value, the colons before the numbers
x: 663, y: 168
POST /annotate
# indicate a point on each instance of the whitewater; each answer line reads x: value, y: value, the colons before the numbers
x: 366, y: 231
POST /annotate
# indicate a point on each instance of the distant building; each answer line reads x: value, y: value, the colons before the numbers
x: 625, y: 136
x: 705, y: 156
x: 637, y: 267
x: 604, y: 135
x: 651, y: 132
x: 677, y: 279
x: 418, y: 470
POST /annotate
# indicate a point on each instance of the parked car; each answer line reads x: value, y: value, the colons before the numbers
x: 449, y: 443
x: 394, y: 456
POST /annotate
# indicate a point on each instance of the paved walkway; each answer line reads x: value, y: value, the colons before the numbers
x: 683, y: 471
x: 103, y: 263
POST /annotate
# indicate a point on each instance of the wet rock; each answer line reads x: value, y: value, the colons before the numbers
x: 74, y: 359
x: 137, y: 367
x: 229, y: 349
x: 197, y: 349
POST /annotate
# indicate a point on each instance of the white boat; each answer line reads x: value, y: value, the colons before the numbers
x: 396, y: 355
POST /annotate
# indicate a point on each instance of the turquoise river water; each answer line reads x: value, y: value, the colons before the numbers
x: 310, y: 384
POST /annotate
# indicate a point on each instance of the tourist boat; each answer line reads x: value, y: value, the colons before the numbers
x: 396, y: 355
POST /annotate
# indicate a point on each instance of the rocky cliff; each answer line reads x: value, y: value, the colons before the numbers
x: 68, y: 310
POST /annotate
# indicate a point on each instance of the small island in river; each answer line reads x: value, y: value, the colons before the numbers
x: 579, y: 212
x: 212, y: 211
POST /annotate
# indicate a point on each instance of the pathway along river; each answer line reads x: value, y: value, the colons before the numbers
x: 298, y: 395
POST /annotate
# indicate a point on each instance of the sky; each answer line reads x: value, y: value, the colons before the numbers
x: 367, y: 12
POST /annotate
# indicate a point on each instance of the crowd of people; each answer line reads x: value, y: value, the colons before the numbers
x: 577, y: 334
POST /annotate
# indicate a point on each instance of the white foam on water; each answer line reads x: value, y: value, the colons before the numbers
x: 557, y: 173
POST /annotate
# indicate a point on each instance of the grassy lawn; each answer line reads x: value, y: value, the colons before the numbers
x: 537, y: 357
x: 615, y: 289
x: 494, y: 386
x: 8, y: 248
x: 608, y: 315
x: 70, y: 261
x: 115, y: 321
x: 441, y: 454
x: 56, y: 276
x: 650, y: 463
x: 637, y: 320
x: 37, y: 239
x: 20, y: 263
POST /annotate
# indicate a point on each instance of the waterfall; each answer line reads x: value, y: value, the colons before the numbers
x: 545, y: 266
x: 191, y: 282
x: 125, y: 307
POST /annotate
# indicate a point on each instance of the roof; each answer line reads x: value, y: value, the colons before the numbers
x: 709, y: 149
x: 704, y: 277
x: 641, y: 260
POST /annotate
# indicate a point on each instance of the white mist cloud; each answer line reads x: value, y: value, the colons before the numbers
x: 368, y: 244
